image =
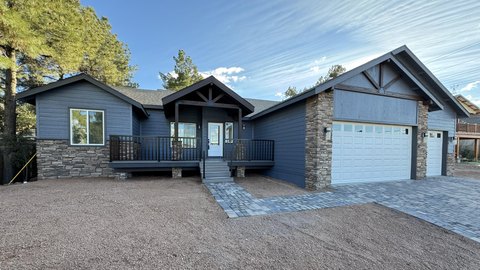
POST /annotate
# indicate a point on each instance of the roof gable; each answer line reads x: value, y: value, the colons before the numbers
x: 30, y: 94
x: 222, y: 94
x: 390, y: 57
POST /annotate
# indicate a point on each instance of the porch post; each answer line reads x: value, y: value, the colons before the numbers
x: 240, y: 147
x: 239, y: 123
x: 176, y: 145
x: 176, y: 121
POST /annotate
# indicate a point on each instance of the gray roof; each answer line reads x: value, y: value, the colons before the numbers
x: 260, y: 105
x: 153, y: 98
x: 144, y: 96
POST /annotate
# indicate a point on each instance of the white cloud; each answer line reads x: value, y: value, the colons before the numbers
x: 469, y: 86
x: 226, y: 74
x: 316, y: 66
x: 280, y: 95
x: 316, y: 69
x: 360, y: 61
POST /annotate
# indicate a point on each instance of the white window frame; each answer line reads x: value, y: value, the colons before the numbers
x: 172, y: 130
x: 229, y: 140
x: 88, y: 128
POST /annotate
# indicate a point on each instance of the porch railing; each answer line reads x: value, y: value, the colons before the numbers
x: 154, y: 148
x: 248, y: 150
x: 468, y: 128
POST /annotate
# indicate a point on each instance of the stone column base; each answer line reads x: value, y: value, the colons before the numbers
x: 122, y: 175
x: 240, y: 172
x: 176, y: 173
x: 450, y: 164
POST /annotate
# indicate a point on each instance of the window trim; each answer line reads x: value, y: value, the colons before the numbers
x: 229, y: 140
x: 88, y: 127
x: 173, y: 136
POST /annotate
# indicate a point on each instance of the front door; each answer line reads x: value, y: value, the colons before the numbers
x: 215, y: 139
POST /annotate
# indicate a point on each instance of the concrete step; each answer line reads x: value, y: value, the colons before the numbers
x: 216, y: 174
x: 218, y: 180
x: 225, y: 171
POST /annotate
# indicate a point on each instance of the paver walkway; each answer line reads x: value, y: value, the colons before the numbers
x: 450, y: 202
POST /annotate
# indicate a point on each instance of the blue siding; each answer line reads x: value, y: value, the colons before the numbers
x: 287, y: 128
x: 444, y: 120
x: 156, y: 124
x: 135, y: 124
x: 247, y: 133
x: 53, y: 110
x: 353, y: 106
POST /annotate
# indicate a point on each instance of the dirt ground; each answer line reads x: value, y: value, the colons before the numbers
x: 261, y: 186
x: 176, y: 224
x: 468, y: 170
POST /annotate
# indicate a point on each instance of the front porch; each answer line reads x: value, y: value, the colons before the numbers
x: 157, y: 153
x: 206, y: 124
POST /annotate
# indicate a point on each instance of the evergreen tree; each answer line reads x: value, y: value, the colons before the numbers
x: 185, y: 73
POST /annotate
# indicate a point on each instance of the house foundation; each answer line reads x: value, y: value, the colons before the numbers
x: 58, y: 159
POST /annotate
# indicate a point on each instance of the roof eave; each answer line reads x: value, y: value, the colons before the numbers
x: 210, y: 80
x: 459, y: 108
x: 33, y: 92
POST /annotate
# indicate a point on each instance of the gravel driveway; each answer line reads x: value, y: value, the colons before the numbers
x: 176, y: 224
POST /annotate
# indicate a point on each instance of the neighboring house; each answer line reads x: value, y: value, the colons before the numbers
x: 471, y: 108
x: 373, y: 123
x: 468, y: 131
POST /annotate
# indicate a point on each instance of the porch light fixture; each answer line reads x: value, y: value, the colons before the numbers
x: 328, y: 133
x: 243, y: 126
x: 451, y: 139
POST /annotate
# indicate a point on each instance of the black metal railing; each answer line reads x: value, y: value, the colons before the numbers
x: 248, y: 150
x: 154, y: 148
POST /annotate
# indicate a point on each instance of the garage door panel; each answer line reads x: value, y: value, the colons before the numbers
x: 366, y: 152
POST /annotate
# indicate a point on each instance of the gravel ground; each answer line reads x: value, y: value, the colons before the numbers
x: 468, y: 170
x: 176, y: 224
x: 262, y: 186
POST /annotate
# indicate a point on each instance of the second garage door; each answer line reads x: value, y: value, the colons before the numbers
x: 369, y: 153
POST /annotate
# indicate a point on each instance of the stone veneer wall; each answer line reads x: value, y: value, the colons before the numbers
x: 451, y: 164
x: 318, y: 148
x: 422, y: 122
x: 57, y: 159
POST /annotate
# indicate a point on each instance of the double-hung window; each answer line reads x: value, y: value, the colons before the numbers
x: 87, y: 127
x: 187, y: 132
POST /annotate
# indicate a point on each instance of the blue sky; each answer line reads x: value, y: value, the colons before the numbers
x: 260, y: 48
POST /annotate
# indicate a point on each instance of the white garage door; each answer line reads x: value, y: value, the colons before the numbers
x: 369, y: 153
x: 434, y: 153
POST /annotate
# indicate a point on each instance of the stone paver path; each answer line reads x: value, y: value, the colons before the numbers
x: 449, y: 202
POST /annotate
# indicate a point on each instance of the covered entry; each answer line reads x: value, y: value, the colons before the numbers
x: 370, y: 152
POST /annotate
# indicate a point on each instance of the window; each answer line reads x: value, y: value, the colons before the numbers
x: 228, y: 132
x: 187, y: 132
x: 86, y: 127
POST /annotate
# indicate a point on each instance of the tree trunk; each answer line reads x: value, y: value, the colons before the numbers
x: 10, y: 118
